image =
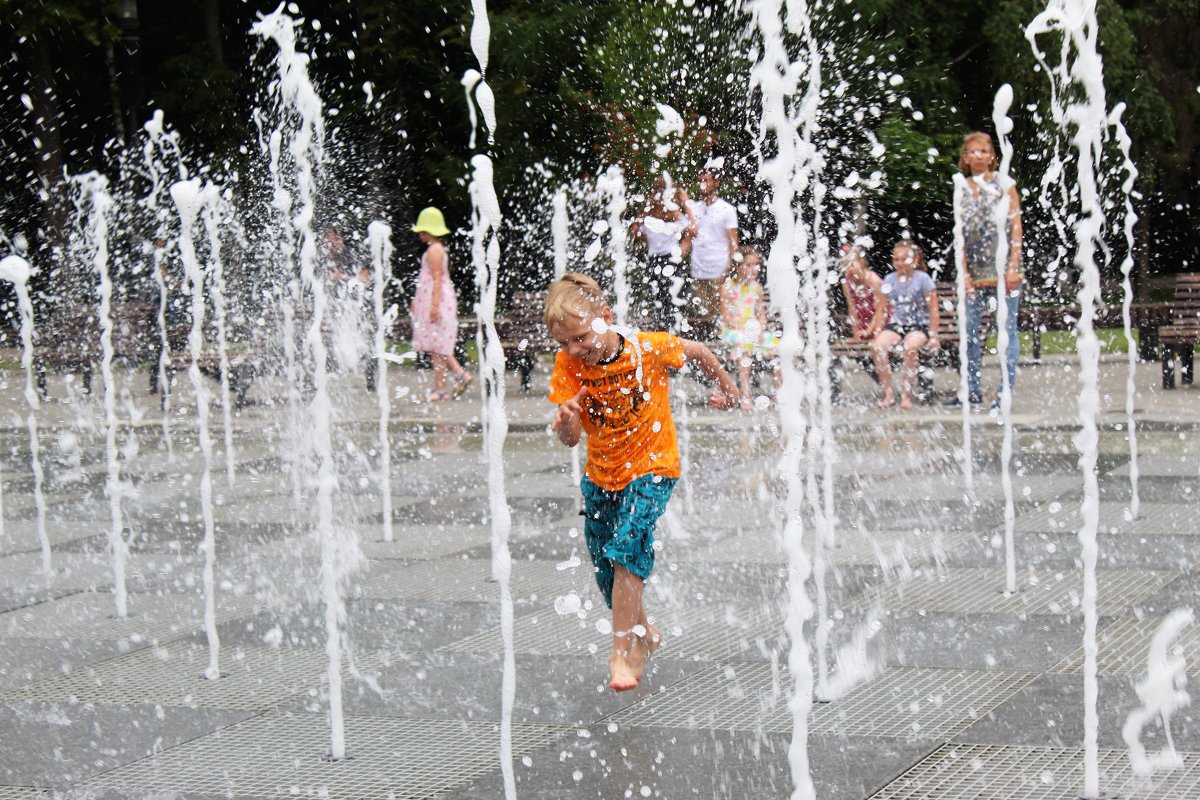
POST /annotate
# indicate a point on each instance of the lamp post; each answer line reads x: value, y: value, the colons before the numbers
x: 130, y: 65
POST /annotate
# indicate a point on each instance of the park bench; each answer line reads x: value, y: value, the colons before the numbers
x: 847, y: 351
x: 1179, y: 338
x: 243, y: 363
x: 69, y: 339
x: 523, y: 334
x: 1147, y: 318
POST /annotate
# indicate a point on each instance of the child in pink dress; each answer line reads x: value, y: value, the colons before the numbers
x: 435, y: 307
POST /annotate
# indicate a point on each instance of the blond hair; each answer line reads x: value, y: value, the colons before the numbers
x: 574, y: 296
x: 976, y: 136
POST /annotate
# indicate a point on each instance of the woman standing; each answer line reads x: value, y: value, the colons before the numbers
x: 990, y: 209
x: 664, y: 226
x: 435, y: 307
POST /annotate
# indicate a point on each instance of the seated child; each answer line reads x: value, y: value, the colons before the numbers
x: 614, y: 387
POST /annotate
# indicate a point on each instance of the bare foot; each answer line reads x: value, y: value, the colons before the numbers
x: 643, y: 647
x: 622, y: 677
x: 906, y: 402
x: 653, y: 639
x: 888, y: 400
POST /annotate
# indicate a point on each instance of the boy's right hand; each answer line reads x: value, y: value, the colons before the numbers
x: 569, y: 412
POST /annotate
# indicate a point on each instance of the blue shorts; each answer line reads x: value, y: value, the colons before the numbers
x: 619, y: 526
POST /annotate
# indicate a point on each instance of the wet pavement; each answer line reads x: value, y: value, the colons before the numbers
x: 937, y: 683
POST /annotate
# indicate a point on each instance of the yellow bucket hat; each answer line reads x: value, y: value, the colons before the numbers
x: 430, y: 220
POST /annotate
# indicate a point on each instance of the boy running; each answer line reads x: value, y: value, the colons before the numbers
x: 613, y: 386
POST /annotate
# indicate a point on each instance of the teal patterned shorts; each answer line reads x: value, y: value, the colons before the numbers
x: 619, y: 526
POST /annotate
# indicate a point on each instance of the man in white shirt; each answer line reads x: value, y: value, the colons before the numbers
x: 714, y: 242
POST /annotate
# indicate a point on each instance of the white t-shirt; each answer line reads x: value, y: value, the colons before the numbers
x: 663, y: 236
x: 710, y: 248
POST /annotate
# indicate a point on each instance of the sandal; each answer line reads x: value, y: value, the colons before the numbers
x: 462, y: 382
x: 434, y: 396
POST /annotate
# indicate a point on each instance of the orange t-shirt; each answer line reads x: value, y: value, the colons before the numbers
x: 627, y: 419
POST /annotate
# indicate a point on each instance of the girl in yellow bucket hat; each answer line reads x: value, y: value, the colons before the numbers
x: 435, y: 307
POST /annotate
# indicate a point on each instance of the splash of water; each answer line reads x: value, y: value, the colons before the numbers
x: 213, y: 212
x: 1082, y: 68
x: 1000, y: 221
x: 300, y: 100
x: 189, y: 198
x: 960, y: 286
x: 775, y: 77
x: 379, y: 239
x: 611, y: 185
x: 94, y: 200
x: 281, y: 201
x: 1131, y: 174
x: 487, y: 221
x: 1162, y: 693
x: 17, y: 271
x: 161, y: 149
x: 560, y: 231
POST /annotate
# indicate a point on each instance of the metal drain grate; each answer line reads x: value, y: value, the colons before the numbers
x: 918, y: 703
x: 21, y: 536
x: 543, y: 633
x: 890, y: 548
x: 1125, y: 648
x: 1163, y: 466
x: 900, y: 703
x: 978, y: 591
x: 93, y: 616
x: 253, y: 678
x: 281, y: 756
x: 1156, y: 519
x: 759, y: 545
x: 23, y: 793
x: 691, y: 638
x: 983, y: 772
x: 468, y: 580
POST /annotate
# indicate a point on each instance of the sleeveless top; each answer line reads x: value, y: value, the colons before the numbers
x: 863, y: 304
x: 430, y: 336
x: 981, y: 234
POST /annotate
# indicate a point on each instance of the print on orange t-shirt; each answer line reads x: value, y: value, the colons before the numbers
x: 627, y: 420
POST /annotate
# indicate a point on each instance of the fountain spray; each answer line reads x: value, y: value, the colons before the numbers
x: 300, y: 101
x: 379, y: 238
x: 93, y: 197
x: 159, y: 148
x: 189, y: 198
x: 486, y: 221
x: 776, y: 78
x: 17, y: 270
x: 1131, y: 174
x: 213, y: 213
x: 1081, y: 66
x: 1001, y: 219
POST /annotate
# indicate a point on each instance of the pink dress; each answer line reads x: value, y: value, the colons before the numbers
x: 434, y: 337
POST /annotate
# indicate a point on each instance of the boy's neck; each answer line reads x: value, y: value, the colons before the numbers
x: 614, y: 345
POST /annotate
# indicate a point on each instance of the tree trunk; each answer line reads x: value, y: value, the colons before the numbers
x: 114, y: 92
x: 212, y: 29
x: 1141, y: 261
x: 49, y: 164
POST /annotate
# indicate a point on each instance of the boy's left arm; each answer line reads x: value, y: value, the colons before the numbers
x: 726, y: 394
